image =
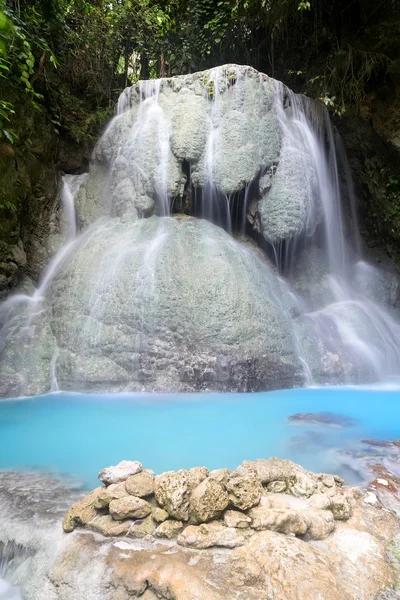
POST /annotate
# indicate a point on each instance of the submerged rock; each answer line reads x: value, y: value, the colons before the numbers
x: 322, y: 418
x: 129, y: 507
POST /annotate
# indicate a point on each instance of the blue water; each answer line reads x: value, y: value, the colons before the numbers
x: 78, y: 434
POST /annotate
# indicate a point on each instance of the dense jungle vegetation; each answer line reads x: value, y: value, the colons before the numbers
x: 63, y: 64
x: 73, y: 57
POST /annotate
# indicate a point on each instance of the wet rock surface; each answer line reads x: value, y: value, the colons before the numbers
x: 337, y: 543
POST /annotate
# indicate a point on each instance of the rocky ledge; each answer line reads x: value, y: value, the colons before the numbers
x: 267, y: 530
x: 205, y: 508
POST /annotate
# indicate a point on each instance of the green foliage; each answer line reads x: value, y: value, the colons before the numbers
x: 304, y: 6
x: 72, y: 57
x: 8, y: 207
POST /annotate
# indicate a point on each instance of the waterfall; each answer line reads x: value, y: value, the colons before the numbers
x: 261, y: 283
x: 8, y: 592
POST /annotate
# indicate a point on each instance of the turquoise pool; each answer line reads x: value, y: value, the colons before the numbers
x: 75, y: 435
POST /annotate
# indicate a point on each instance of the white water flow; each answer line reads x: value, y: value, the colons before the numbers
x: 9, y: 592
x: 19, y: 312
x: 214, y: 206
x: 367, y: 334
x: 150, y: 123
x: 142, y: 299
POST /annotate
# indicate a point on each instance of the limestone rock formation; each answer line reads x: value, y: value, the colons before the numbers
x: 169, y: 529
x: 334, y: 559
x: 235, y: 518
x: 141, y: 484
x: 212, y: 534
x: 244, y: 488
x: 207, y: 501
x: 184, y: 308
x: 129, y: 507
x: 172, y: 494
x: 82, y: 512
x: 120, y: 472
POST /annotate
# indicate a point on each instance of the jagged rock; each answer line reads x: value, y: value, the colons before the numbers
x: 320, y: 524
x: 82, y: 512
x: 356, y: 560
x: 285, y: 521
x: 328, y: 480
x: 111, y: 492
x: 321, y: 501
x: 196, y: 475
x: 212, y: 534
x: 129, y: 507
x: 235, y: 518
x: 172, y: 493
x: 277, y: 487
x: 140, y: 485
x: 159, y: 515
x: 107, y: 526
x: 120, y: 472
x: 142, y: 527
x: 169, y: 529
x: 207, y: 501
x: 220, y: 475
x: 340, y: 506
x: 299, y: 481
x: 244, y: 488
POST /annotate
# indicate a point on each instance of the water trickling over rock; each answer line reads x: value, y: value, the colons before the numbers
x: 138, y: 298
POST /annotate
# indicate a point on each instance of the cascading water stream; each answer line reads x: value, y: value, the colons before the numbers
x: 19, y: 312
x: 367, y: 331
x: 119, y: 306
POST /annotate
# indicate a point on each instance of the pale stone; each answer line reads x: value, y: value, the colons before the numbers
x: 196, y: 475
x: 328, y: 480
x: 169, y: 529
x: 341, y: 507
x: 172, y: 493
x: 142, y: 528
x: 244, y: 488
x: 159, y: 514
x: 207, y: 501
x: 109, y: 493
x: 235, y: 518
x: 129, y: 507
x: 107, y: 526
x: 220, y: 475
x: 140, y: 485
x: 321, y: 501
x: 285, y: 521
x: 299, y: 481
x: 320, y: 524
x: 211, y: 534
x: 120, y: 472
x: 277, y: 487
x: 82, y: 512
